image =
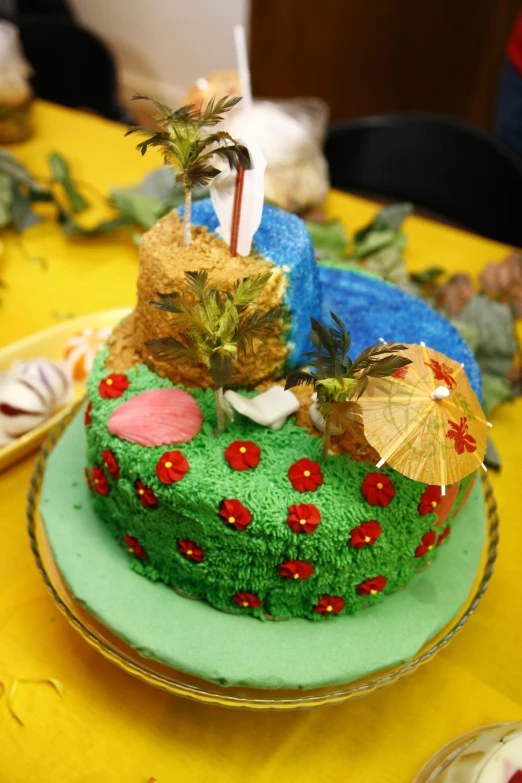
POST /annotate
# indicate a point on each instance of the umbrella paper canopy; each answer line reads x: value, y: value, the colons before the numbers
x: 425, y: 420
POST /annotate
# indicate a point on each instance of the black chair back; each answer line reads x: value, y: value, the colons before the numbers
x: 439, y: 163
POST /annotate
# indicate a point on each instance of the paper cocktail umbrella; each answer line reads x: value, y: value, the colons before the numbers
x: 425, y: 420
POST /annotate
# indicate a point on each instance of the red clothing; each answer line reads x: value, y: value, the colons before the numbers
x: 514, y: 44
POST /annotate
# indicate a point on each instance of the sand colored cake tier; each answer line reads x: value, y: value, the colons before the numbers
x: 163, y: 264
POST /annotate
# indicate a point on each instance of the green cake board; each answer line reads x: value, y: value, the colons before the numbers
x: 235, y: 650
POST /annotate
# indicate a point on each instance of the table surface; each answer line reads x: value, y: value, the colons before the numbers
x: 110, y: 728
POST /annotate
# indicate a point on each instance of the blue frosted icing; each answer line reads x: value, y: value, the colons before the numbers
x: 372, y: 308
x: 284, y: 239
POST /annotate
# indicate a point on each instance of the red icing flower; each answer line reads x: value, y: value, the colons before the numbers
x: 400, y: 372
x: 171, y: 467
x: 443, y: 536
x: 303, y: 518
x: 98, y: 481
x: 296, y: 569
x: 235, y: 513
x: 135, y: 547
x: 146, y: 495
x: 111, y: 464
x: 305, y: 475
x: 377, y: 489
x: 430, y: 499
x: 243, y: 455
x: 247, y: 600
x: 113, y: 385
x: 427, y: 544
x: 329, y: 604
x: 87, y: 414
x: 191, y: 550
x: 372, y: 586
x: 366, y: 534
x: 460, y: 435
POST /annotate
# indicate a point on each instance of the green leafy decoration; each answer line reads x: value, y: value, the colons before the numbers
x: 61, y: 173
x: 214, y: 327
x: 188, y: 148
x: 329, y: 239
x: 495, y: 391
x: 337, y: 380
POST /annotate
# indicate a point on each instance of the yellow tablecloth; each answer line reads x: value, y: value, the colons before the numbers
x: 110, y: 728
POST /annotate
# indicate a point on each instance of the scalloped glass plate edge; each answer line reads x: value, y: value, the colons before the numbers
x: 181, y: 684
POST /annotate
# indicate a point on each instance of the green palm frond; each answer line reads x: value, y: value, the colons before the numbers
x: 256, y: 326
x: 213, y: 327
x: 247, y: 290
x: 298, y: 378
x: 184, y: 145
x: 168, y: 348
x: 213, y: 112
x: 167, y: 302
x: 374, y: 355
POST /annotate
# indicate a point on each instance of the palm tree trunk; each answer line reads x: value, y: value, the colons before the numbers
x: 220, y: 410
x: 187, y: 233
x: 326, y: 439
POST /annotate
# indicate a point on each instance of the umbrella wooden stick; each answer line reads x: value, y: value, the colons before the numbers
x: 236, y: 209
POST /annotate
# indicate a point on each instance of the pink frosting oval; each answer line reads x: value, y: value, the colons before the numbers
x: 159, y: 417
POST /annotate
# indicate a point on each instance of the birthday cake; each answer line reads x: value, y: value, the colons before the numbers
x: 268, y: 439
x: 252, y: 519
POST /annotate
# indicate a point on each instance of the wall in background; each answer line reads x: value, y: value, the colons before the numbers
x: 379, y: 57
x: 162, y: 46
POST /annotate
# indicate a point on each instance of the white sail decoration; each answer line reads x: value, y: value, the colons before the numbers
x: 223, y: 192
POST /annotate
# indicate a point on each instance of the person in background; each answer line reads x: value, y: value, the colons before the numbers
x: 508, y: 115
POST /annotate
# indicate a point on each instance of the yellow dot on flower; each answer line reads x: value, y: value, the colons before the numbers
x: 367, y: 539
x: 434, y: 504
x: 189, y: 551
x: 109, y: 381
x: 373, y: 592
x: 130, y: 550
x: 329, y: 608
x: 296, y: 576
x: 141, y: 492
x: 242, y: 450
x: 168, y: 464
x: 379, y: 485
x: 245, y: 604
x: 306, y: 473
x: 430, y: 547
x: 302, y: 521
x: 96, y: 481
x: 231, y: 520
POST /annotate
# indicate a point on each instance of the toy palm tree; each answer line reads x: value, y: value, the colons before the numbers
x: 339, y: 381
x: 215, y: 328
x: 188, y: 149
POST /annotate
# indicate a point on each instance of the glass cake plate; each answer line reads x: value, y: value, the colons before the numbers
x: 182, y: 684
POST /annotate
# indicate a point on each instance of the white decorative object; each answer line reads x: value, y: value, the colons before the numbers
x: 318, y: 420
x: 31, y: 392
x: 271, y: 408
x: 81, y: 350
x: 223, y: 194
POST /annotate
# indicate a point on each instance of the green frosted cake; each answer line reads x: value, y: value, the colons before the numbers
x: 253, y: 520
